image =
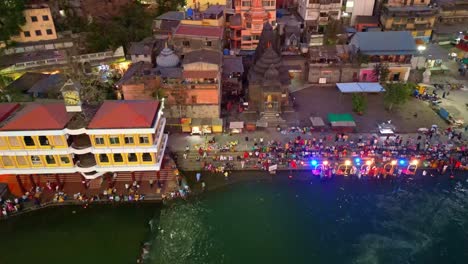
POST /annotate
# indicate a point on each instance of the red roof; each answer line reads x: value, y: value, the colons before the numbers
x: 7, y: 109
x: 125, y: 114
x: 201, y: 31
x: 39, y: 117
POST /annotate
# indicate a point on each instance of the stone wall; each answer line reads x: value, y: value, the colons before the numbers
x: 333, y: 74
x: 193, y: 111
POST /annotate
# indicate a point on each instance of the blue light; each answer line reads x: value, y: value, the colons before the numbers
x: 402, y: 162
x: 357, y: 160
x: 314, y: 163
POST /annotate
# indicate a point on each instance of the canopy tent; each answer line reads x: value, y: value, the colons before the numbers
x: 341, y: 120
x: 236, y: 125
x: 317, y: 121
x: 372, y: 87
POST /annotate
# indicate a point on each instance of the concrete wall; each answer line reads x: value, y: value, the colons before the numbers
x: 362, y: 8
x: 195, y: 44
x: 333, y: 74
x: 193, y: 111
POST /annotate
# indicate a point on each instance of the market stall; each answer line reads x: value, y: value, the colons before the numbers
x: 196, y: 126
x: 206, y: 126
x: 342, y: 122
x: 236, y: 127
x: 217, y: 124
x: 317, y: 123
x: 185, y: 124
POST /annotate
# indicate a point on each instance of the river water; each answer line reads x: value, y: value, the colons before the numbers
x: 343, y: 220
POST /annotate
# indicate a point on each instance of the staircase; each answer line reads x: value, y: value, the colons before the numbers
x: 272, y: 119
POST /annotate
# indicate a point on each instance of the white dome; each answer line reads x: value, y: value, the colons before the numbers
x: 167, y: 58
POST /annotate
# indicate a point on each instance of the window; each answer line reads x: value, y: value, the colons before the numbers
x: 38, y: 33
x: 99, y: 140
x: 58, y: 141
x: 21, y: 161
x: 114, y: 140
x: 29, y: 141
x: 64, y: 160
x: 186, y: 43
x: 248, y: 25
x: 44, y: 141
x: 7, y: 161
x: 14, y: 142
x: 420, y: 33
x: 3, y: 142
x: 49, y: 31
x: 314, y: 1
x: 246, y: 38
x: 45, y: 18
x: 129, y: 140
x: 50, y: 159
x: 118, y: 157
x: 144, y: 140
x: 147, y: 157
x: 36, y: 160
x: 194, y: 99
x: 27, y: 34
x: 132, y: 157
x: 246, y: 3
x: 103, y: 158
x: 208, y: 44
x: 34, y: 18
x: 268, y: 3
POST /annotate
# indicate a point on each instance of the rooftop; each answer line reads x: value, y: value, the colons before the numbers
x: 172, y: 15
x: 384, y: 43
x: 232, y: 64
x: 367, y: 20
x: 26, y: 81
x: 209, y: 56
x: 144, y: 47
x: 199, y: 31
x: 125, y: 114
x: 7, y: 109
x: 51, y: 83
x: 138, y: 69
x: 34, y: 116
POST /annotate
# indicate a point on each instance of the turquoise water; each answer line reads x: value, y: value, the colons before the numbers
x: 280, y: 220
x: 307, y: 221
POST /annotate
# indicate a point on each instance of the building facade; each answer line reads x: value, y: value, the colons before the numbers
x: 359, y: 8
x: 453, y: 11
x: 394, y: 48
x: 39, y: 24
x: 317, y: 13
x: 246, y: 24
x: 416, y: 16
x: 55, y: 138
x: 187, y: 38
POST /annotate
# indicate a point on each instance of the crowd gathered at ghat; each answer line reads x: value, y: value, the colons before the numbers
x: 338, y: 154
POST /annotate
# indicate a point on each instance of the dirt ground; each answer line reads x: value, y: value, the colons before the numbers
x: 320, y: 101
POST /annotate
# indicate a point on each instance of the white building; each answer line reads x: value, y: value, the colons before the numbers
x: 359, y: 8
x: 317, y: 13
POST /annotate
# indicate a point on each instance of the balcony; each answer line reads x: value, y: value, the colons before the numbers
x: 86, y: 162
x: 81, y: 144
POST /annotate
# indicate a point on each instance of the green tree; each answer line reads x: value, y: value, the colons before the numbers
x: 333, y: 28
x: 11, y: 19
x: 397, y: 94
x: 165, y: 6
x: 381, y: 72
x: 359, y: 103
x: 133, y: 24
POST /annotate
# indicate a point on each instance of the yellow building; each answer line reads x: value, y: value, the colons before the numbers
x: 55, y: 138
x: 39, y: 24
x: 415, y: 16
x: 214, y: 15
x: 204, y: 4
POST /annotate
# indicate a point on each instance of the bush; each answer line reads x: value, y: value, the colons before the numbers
x: 359, y: 103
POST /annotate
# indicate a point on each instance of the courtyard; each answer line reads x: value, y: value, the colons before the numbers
x: 320, y: 101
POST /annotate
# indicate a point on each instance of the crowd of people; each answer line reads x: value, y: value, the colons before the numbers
x: 305, y: 152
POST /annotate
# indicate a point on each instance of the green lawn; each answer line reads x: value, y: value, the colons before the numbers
x: 71, y: 234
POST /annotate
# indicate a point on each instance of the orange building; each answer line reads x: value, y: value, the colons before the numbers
x: 39, y: 24
x: 247, y: 23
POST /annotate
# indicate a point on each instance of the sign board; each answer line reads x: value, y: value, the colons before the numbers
x: 322, y: 80
x: 273, y: 167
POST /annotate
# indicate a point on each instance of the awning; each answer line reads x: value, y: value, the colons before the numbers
x: 316, y: 121
x: 341, y: 120
x: 371, y: 87
x: 236, y: 125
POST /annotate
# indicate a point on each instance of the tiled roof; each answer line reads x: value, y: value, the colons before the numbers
x: 52, y: 116
x: 171, y: 15
x: 52, y: 82
x: 199, y: 31
x: 7, y: 109
x: 125, y: 114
